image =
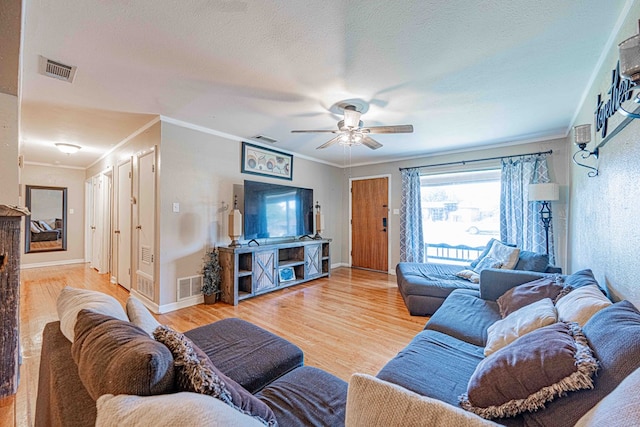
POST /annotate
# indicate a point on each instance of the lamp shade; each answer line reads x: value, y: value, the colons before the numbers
x: 544, y: 192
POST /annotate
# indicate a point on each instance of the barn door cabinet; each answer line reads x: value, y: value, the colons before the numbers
x: 248, y: 271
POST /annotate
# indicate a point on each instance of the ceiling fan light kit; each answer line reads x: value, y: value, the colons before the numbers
x: 351, y: 130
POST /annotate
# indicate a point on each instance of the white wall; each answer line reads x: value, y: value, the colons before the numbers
x: 9, y: 149
x: 557, y: 170
x: 604, y: 232
x: 198, y: 170
x: 73, y: 180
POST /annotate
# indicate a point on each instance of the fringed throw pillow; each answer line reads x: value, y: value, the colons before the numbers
x: 536, y: 368
x: 196, y: 373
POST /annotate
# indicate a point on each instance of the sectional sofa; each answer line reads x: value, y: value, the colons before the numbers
x: 446, y: 366
x: 425, y: 286
x: 101, y: 366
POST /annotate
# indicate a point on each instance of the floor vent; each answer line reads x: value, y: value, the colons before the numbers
x: 57, y: 70
x: 189, y: 287
x: 263, y: 138
x: 145, y: 286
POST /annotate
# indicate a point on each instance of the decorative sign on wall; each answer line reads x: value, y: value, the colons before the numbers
x: 619, y: 92
x: 264, y: 161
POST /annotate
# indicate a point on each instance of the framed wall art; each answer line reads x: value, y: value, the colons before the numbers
x: 267, y: 162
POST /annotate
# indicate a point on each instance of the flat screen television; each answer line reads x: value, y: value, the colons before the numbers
x: 276, y: 211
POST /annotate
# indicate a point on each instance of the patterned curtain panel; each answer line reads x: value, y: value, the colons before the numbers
x: 520, y: 222
x: 411, y: 237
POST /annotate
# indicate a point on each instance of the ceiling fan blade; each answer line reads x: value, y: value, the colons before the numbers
x: 371, y: 143
x: 315, y: 131
x: 390, y: 129
x: 329, y: 142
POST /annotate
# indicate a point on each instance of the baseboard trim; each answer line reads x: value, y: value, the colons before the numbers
x: 51, y: 263
x: 166, y: 308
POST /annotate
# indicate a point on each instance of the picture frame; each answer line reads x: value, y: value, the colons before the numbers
x: 263, y: 161
x: 286, y: 274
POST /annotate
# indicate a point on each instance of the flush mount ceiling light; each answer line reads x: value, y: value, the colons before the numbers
x: 68, y: 148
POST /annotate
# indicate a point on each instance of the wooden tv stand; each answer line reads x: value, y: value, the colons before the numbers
x: 248, y: 271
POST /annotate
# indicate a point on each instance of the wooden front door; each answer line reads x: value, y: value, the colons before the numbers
x: 369, y: 224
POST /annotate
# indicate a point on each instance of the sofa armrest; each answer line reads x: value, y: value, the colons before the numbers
x: 372, y: 401
x: 494, y: 282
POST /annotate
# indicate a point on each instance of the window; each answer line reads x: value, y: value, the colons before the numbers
x: 460, y: 213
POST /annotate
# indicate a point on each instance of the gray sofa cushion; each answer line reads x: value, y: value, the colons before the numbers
x: 614, y: 336
x: 434, y: 365
x: 246, y: 353
x: 532, y: 261
x: 465, y: 316
x: 307, y: 396
x: 436, y: 280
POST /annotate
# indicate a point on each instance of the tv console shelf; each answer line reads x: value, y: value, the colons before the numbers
x: 248, y: 271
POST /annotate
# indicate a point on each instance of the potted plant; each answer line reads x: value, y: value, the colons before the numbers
x: 211, y: 276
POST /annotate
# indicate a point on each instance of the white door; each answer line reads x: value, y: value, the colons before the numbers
x: 96, y: 219
x: 88, y: 221
x: 145, y: 224
x: 122, y: 230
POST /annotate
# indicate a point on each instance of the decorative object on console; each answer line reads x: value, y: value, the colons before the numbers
x: 235, y: 224
x: 319, y: 222
x: 582, y: 136
x: 286, y: 274
x: 211, y: 276
x: 545, y: 193
x: 264, y: 161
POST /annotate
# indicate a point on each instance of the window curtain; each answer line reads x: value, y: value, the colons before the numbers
x: 520, y: 222
x: 411, y: 236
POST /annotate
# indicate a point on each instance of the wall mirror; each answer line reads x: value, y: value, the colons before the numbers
x: 46, y: 227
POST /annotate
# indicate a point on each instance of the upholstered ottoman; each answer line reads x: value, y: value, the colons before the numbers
x: 248, y: 354
x: 307, y: 396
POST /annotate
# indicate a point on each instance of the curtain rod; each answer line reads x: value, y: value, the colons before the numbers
x: 464, y: 162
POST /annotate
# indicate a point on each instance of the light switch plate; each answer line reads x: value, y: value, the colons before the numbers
x: 176, y: 207
x: 396, y: 211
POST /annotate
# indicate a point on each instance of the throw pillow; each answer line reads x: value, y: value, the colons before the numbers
x: 580, y: 278
x: 535, y: 369
x: 582, y: 303
x: 482, y: 254
x: 140, y: 316
x: 45, y: 226
x: 487, y: 262
x: 196, y: 373
x: 507, y: 255
x: 531, y: 261
x: 374, y: 402
x: 520, y: 322
x: 117, y: 357
x: 527, y: 293
x: 168, y: 410
x: 35, y: 228
x: 72, y: 300
x: 470, y: 275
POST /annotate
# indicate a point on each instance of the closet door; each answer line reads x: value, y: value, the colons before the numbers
x: 146, y: 224
x: 122, y: 228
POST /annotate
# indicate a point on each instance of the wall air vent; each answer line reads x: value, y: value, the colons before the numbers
x: 263, y: 138
x: 57, y: 70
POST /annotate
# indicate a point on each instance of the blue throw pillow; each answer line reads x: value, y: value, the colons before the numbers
x: 531, y: 261
x: 483, y: 254
x: 580, y: 278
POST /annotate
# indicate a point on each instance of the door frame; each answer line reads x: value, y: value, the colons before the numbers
x: 389, y: 228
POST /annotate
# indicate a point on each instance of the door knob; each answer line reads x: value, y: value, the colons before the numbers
x: 117, y: 231
x: 139, y: 227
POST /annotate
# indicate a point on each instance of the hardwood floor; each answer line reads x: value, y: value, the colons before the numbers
x: 354, y: 321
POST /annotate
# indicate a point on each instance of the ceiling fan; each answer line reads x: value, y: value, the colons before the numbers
x: 351, y: 131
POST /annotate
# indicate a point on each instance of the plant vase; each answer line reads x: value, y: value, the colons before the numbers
x: 211, y: 276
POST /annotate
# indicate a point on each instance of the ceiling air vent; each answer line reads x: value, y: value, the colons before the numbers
x: 57, y: 70
x: 263, y: 138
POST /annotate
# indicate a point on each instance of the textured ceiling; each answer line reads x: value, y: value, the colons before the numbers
x: 464, y: 73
